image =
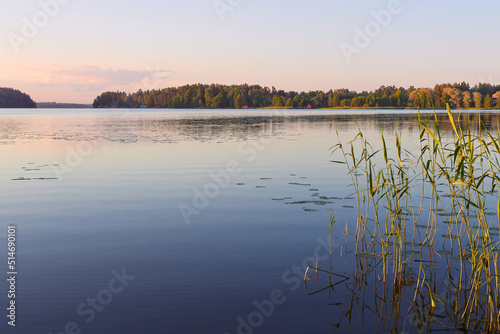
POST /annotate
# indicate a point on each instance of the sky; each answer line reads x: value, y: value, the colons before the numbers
x: 73, y: 50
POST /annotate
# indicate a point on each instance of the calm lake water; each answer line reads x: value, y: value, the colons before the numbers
x: 178, y: 222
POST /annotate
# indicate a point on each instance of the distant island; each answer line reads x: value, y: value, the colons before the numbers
x: 55, y: 105
x: 13, y: 98
x: 215, y: 96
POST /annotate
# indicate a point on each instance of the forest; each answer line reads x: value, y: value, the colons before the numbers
x: 13, y: 98
x: 215, y: 96
x: 56, y: 105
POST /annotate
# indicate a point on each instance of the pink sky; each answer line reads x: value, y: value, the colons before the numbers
x: 81, y: 49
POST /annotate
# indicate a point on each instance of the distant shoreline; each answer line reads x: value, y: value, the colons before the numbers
x: 87, y: 107
x: 56, y: 105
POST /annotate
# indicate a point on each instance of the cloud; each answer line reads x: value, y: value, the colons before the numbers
x: 94, y: 78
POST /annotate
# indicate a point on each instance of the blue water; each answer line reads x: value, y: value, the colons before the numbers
x: 94, y: 194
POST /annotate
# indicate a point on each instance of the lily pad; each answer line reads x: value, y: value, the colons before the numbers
x: 430, y: 266
x: 411, y: 252
x: 300, y: 184
x: 21, y: 179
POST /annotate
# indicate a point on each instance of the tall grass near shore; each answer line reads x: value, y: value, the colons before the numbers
x: 426, y: 236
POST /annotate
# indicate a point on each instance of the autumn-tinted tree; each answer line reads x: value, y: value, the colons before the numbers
x: 496, y: 97
x: 453, y: 96
x: 488, y: 102
x: 422, y: 98
x: 477, y: 99
x: 467, y: 99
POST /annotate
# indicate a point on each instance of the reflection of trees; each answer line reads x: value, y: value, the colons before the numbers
x: 216, y: 128
x: 204, y: 127
x: 9, y: 128
x: 161, y: 127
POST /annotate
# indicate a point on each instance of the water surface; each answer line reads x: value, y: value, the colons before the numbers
x: 150, y: 193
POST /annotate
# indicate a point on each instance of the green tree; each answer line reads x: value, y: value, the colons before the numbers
x: 278, y: 101
x: 303, y: 102
x: 210, y: 93
x: 370, y: 100
x: 335, y: 101
x: 257, y: 98
x: 354, y: 102
x: 222, y: 99
x: 13, y: 98
x: 240, y: 101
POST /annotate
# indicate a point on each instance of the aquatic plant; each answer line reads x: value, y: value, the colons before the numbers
x: 419, y: 277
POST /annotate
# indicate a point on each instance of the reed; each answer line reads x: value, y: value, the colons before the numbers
x: 422, y: 278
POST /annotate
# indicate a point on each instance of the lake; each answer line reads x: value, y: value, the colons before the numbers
x: 134, y: 221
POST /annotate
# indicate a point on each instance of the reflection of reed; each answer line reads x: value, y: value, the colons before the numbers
x: 330, y: 286
x: 403, y: 200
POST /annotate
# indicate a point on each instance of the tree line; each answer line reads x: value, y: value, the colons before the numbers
x: 56, y: 105
x: 13, y: 98
x: 215, y: 96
